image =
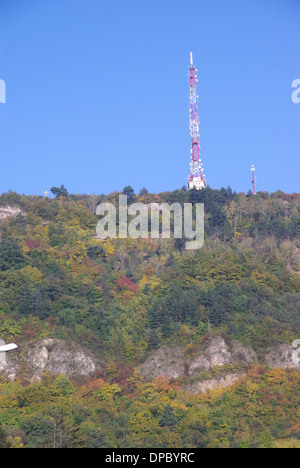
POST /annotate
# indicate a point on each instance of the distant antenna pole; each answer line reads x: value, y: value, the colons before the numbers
x: 196, y: 176
x: 253, y: 178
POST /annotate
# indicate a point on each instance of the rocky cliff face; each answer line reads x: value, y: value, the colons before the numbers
x: 219, y: 364
x: 50, y: 355
x: 56, y: 357
x: 218, y: 353
x: 217, y: 357
x: 10, y: 211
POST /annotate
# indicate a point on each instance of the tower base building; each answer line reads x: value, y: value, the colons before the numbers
x: 197, y: 183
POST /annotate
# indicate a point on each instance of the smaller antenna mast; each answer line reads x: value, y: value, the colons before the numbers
x: 253, y: 178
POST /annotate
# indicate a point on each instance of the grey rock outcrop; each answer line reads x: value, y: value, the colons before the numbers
x: 56, y: 357
x: 10, y: 211
x: 218, y: 353
x: 167, y: 361
x: 281, y: 356
x: 51, y: 355
x: 173, y: 363
x: 9, y: 367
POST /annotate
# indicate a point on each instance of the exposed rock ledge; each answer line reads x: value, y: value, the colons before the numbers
x: 50, y: 355
x: 200, y: 372
x: 214, y: 383
x: 10, y: 211
x: 172, y: 363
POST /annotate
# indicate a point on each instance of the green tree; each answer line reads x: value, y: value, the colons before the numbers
x: 60, y: 191
x: 129, y: 191
x: 168, y: 417
x: 143, y: 191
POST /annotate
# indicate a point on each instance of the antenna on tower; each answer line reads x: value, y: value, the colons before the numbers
x: 196, y: 176
x: 253, y: 178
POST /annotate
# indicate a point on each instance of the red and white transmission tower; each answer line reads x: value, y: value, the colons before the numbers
x: 196, y: 177
x: 253, y: 178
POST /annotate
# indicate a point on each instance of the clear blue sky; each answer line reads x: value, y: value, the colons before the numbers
x: 98, y: 98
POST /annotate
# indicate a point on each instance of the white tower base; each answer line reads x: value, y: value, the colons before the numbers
x: 197, y: 183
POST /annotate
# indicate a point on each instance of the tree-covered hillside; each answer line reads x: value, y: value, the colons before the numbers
x: 123, y: 298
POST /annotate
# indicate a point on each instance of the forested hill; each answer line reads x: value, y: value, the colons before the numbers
x: 122, y: 299
x: 127, y: 296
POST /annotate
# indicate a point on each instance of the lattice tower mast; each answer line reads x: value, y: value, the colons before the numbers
x: 196, y: 177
